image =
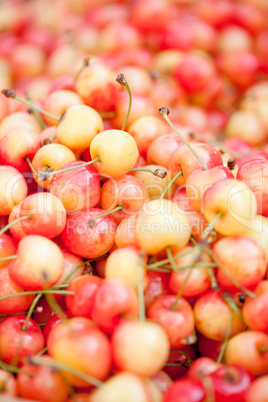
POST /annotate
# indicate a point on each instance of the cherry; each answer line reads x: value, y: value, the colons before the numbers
x: 254, y: 131
x: 8, y: 384
x: 125, y: 234
x: 202, y: 367
x: 179, y: 362
x: 161, y: 149
x: 157, y: 286
x: 230, y: 382
x: 185, y: 389
x: 177, y: 319
x: 77, y: 189
x: 18, y: 120
x: 57, y: 102
x: 89, y: 242
x: 140, y: 347
x: 257, y: 387
x: 17, y: 344
x: 44, y: 381
x: 13, y: 188
x: 254, y: 310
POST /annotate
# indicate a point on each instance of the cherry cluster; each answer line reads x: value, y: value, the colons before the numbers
x: 134, y: 200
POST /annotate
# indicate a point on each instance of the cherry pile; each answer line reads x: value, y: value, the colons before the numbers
x: 134, y: 200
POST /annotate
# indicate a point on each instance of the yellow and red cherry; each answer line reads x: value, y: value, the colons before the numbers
x: 87, y: 240
x: 57, y: 102
x: 77, y: 189
x: 15, y: 304
x: 125, y: 234
x: 30, y: 269
x: 254, y: 309
x: 13, y: 189
x: 8, y: 384
x: 113, y: 299
x: 78, y: 343
x: 49, y: 158
x: 16, y: 343
x: 243, y: 260
x: 140, y: 347
x: 127, y: 191
x: 117, y: 150
x: 78, y: 126
x: 19, y: 120
x: 16, y: 145
x: 177, y: 321
x: 161, y: 149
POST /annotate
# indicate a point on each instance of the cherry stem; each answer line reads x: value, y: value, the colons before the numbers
x: 211, y: 225
x: 231, y: 302
x: 183, y: 353
x: 87, y: 262
x: 219, y: 144
x: 30, y: 311
x: 262, y: 349
x: 13, y: 223
x: 157, y: 172
x: 55, y: 307
x: 65, y: 367
x: 233, y: 280
x: 27, y: 159
x: 91, y: 222
x: 142, y: 315
x: 36, y: 113
x: 179, y: 294
x: 164, y: 112
x: 167, y: 260
x: 74, y: 167
x: 34, y: 292
x: 223, y: 348
x: 214, y: 283
x: 197, y: 265
x: 171, y: 258
x: 11, y: 257
x: 107, y: 115
x: 10, y: 93
x: 180, y: 173
x: 52, y: 138
x: 123, y: 82
x: 43, y: 351
x: 14, y: 369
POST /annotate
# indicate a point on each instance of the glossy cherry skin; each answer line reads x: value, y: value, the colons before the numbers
x: 230, y: 382
x: 178, y: 323
x: 80, y: 344
x: 16, y: 344
x: 114, y: 298
x: 209, y: 347
x: 254, y: 310
x: 258, y: 387
x: 47, y: 215
x: 128, y: 191
x: 161, y: 149
x: 243, y: 259
x: 183, y: 362
x: 8, y: 247
x: 85, y: 241
x: 16, y: 304
x: 184, y: 159
x: 185, y: 390
x: 77, y: 189
x: 255, y: 173
x: 54, y: 320
x: 201, y: 367
x: 157, y: 286
x: 81, y: 303
x: 46, y: 382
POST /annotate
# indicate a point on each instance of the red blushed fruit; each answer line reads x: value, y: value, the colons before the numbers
x: 15, y: 343
x: 161, y: 149
x: 255, y: 174
x: 185, y: 390
x: 208, y: 347
x: 157, y: 286
x: 16, y: 304
x: 201, y: 367
x: 85, y: 241
x: 114, y: 298
x: 194, y: 72
x: 230, y: 383
x: 8, y: 247
x: 255, y: 311
x: 243, y: 259
x: 45, y: 382
x: 77, y: 189
x: 84, y: 288
x: 79, y: 344
x: 128, y: 191
x: 258, y: 387
x: 53, y: 321
x: 178, y: 322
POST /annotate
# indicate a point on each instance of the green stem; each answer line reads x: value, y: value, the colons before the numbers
x: 65, y: 367
x: 167, y: 260
x: 30, y: 311
x: 214, y: 283
x: 27, y: 159
x: 123, y: 82
x: 91, y: 222
x: 37, y: 114
x: 74, y: 167
x: 156, y: 172
x: 223, y: 348
x: 233, y: 280
x: 43, y: 351
x: 164, y: 113
x: 14, y: 369
x: 211, y: 225
x: 34, y: 292
x: 33, y: 106
x: 170, y: 183
x: 142, y: 315
x: 171, y: 258
x: 13, y: 223
x: 11, y: 257
x: 176, y: 301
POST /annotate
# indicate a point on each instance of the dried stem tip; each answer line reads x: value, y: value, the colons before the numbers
x: 164, y: 111
x: 231, y: 163
x: 160, y: 173
x: 9, y: 93
x: 121, y: 80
